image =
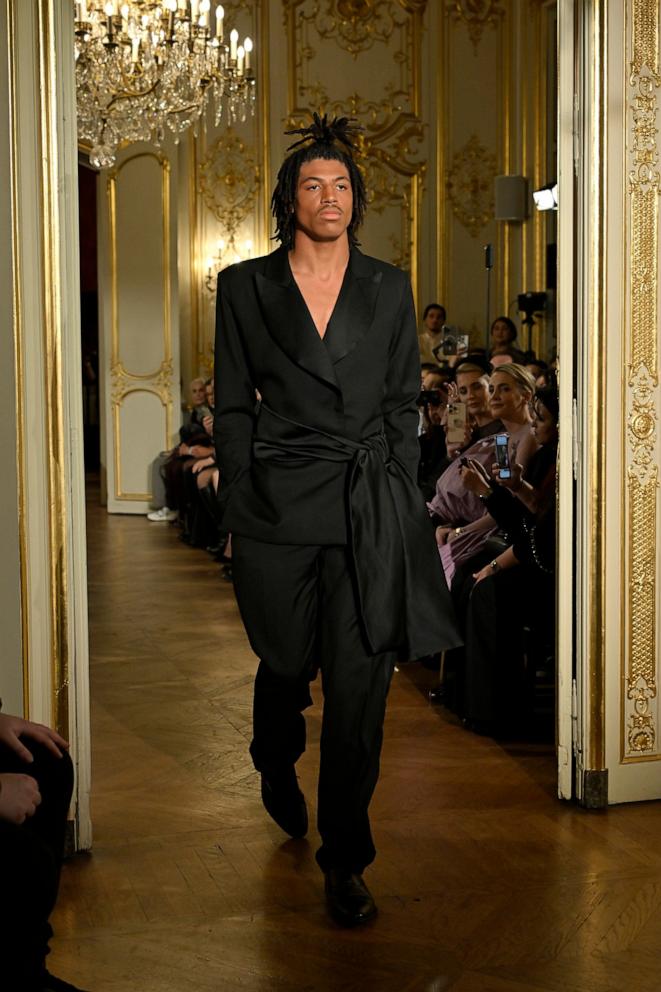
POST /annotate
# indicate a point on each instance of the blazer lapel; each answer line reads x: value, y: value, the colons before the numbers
x: 354, y: 311
x: 288, y: 319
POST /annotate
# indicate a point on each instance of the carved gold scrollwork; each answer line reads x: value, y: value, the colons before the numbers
x: 387, y: 151
x: 476, y: 15
x: 158, y: 382
x: 355, y: 25
x: 469, y: 185
x: 642, y: 469
x: 229, y: 180
x: 641, y: 732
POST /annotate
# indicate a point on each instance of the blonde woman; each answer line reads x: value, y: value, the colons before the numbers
x: 463, y: 523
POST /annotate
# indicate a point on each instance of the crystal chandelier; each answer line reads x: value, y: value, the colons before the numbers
x: 144, y: 67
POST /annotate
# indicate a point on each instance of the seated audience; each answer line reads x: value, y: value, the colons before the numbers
x: 36, y: 783
x: 433, y: 319
x: 463, y: 523
x: 471, y: 387
x: 503, y: 335
x: 193, y: 425
x: 508, y: 602
x: 433, y: 454
x: 537, y: 368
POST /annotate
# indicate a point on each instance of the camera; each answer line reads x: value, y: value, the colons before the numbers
x: 452, y: 343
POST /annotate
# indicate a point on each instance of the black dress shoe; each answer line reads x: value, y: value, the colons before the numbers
x: 349, y: 901
x: 285, y: 803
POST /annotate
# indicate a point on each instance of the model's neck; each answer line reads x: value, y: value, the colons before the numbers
x: 482, y: 419
x: 319, y: 258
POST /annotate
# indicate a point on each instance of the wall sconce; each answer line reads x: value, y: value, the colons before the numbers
x: 227, y: 253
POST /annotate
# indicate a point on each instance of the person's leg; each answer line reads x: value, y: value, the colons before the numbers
x: 29, y: 889
x: 276, y: 589
x: 355, y: 686
x: 30, y: 861
x: 493, y: 651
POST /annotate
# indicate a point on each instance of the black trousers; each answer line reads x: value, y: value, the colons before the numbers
x: 30, y: 861
x: 299, y: 609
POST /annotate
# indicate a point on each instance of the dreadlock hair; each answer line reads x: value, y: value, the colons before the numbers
x: 321, y: 139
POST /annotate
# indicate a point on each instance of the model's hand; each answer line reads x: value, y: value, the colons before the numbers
x: 19, y: 798
x: 12, y: 728
x: 443, y: 535
x: 207, y: 423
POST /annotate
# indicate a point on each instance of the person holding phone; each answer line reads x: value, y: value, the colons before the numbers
x: 463, y: 523
x: 515, y: 589
x: 432, y: 403
x: 471, y: 388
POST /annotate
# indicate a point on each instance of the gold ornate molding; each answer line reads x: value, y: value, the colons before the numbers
x: 644, y: 186
x: 122, y: 381
x: 230, y: 180
x: 476, y: 15
x: 355, y: 25
x: 388, y: 149
x: 158, y: 382
x: 469, y: 185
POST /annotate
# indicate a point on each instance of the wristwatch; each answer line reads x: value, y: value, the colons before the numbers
x: 494, y: 566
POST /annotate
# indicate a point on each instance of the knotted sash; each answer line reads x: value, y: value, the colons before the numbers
x: 403, y: 599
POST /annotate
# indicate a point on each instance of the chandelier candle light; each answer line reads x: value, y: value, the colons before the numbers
x: 142, y: 67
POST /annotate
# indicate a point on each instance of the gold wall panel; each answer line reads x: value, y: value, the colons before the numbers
x: 19, y: 331
x: 125, y: 381
x: 476, y: 15
x: 362, y: 58
x: 229, y: 198
x: 469, y: 185
x: 492, y: 63
x: 52, y: 281
x: 640, y: 700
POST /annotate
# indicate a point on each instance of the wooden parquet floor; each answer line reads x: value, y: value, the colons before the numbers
x: 484, y: 880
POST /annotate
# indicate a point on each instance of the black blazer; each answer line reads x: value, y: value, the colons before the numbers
x: 362, y: 377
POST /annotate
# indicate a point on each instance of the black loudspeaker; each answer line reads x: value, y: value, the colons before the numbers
x: 510, y: 194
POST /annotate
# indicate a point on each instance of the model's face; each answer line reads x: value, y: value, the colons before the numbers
x: 199, y: 394
x: 473, y: 390
x: 209, y: 394
x: 434, y: 320
x: 500, y: 333
x: 324, y: 200
x: 506, y: 399
x: 543, y: 424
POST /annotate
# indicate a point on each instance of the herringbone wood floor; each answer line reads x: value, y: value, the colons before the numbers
x: 485, y: 881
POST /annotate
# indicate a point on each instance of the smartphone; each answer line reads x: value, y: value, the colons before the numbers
x: 457, y: 415
x: 503, y: 456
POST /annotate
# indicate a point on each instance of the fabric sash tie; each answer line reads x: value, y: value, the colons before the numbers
x: 399, y: 579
